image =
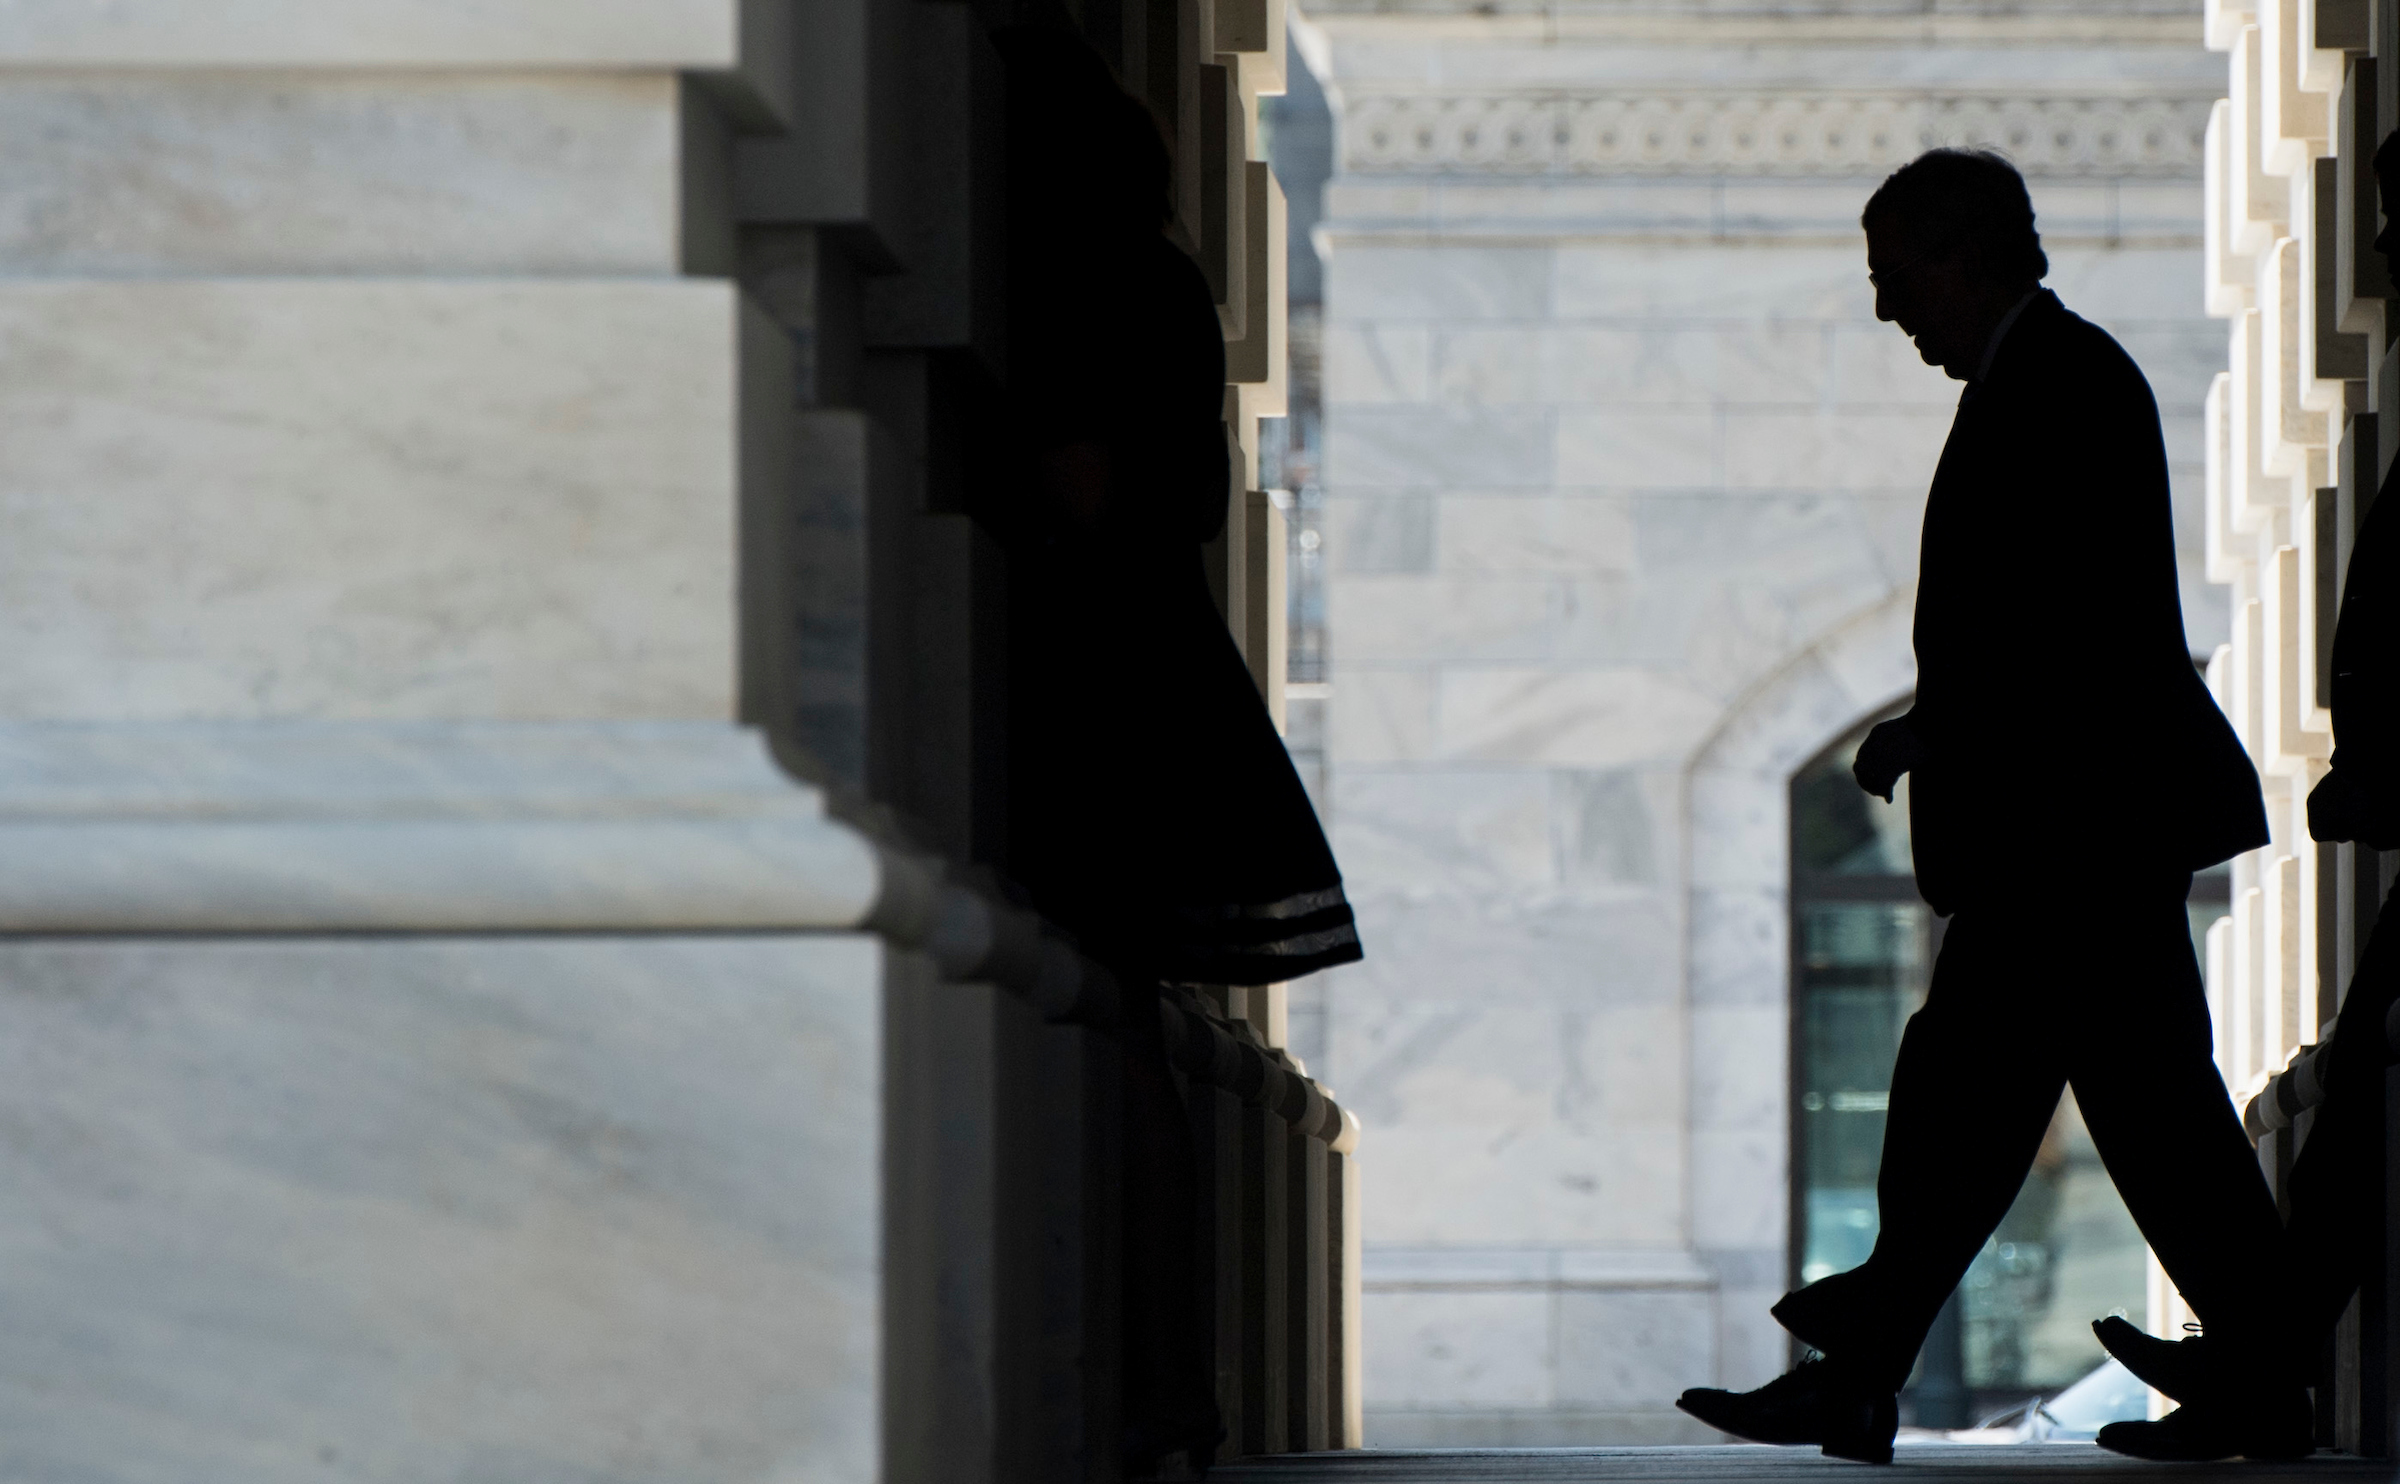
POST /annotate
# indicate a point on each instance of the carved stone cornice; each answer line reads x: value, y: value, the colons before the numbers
x: 1821, y: 134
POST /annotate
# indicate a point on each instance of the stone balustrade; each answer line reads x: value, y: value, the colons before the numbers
x: 2301, y: 429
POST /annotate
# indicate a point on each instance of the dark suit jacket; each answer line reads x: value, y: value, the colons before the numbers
x: 2366, y: 661
x: 2065, y: 727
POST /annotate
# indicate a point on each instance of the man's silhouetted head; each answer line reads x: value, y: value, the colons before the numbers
x: 1951, y: 248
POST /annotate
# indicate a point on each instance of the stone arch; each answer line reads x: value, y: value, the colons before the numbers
x: 1737, y: 962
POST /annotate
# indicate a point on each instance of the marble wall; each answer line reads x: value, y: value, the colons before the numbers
x: 1624, y: 482
x: 416, y: 1208
x: 439, y: 1040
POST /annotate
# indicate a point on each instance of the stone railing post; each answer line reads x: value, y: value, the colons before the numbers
x: 1345, y: 1359
x: 2300, y: 438
x: 1278, y: 1228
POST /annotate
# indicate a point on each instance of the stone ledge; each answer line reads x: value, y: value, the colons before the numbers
x: 175, y: 173
x: 277, y: 828
x: 482, y: 34
x: 391, y: 498
x: 310, y: 827
x: 742, y: 48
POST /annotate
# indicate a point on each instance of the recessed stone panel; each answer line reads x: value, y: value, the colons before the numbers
x: 497, y: 500
x: 265, y: 33
x: 144, y: 173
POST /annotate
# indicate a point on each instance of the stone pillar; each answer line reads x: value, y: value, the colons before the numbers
x: 442, y: 1041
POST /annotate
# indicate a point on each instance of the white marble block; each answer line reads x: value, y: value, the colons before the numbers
x: 595, y: 34
x: 330, y: 498
x: 150, y: 172
x: 588, y: 1207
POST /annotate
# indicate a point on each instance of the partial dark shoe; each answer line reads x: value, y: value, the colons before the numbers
x: 1815, y: 1402
x: 2184, y: 1369
x: 1823, y: 1316
x: 2278, y: 1427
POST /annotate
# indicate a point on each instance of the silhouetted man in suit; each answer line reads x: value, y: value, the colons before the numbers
x: 2070, y: 772
x: 2337, y: 1182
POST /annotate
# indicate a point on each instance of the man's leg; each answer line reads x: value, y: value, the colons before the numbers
x: 2144, y: 1073
x: 1974, y: 1087
x: 1976, y: 1082
x: 2152, y: 1097
x: 2337, y: 1181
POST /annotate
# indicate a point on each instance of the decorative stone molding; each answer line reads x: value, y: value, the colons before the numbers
x: 1698, y: 134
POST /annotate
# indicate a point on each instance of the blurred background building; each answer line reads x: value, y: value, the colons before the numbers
x: 1621, y: 487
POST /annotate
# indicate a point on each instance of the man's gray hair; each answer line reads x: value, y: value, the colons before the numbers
x: 1969, y: 195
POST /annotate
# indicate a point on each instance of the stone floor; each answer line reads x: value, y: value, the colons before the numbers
x: 2059, y: 1462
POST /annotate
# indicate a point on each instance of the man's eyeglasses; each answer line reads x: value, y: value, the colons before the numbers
x: 1891, y: 275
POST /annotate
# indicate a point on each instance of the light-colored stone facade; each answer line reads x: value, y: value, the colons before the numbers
x: 500, y: 723
x: 2292, y: 466
x: 1624, y: 484
x: 2302, y: 425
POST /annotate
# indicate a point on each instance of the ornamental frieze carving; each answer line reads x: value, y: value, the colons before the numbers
x: 1532, y: 134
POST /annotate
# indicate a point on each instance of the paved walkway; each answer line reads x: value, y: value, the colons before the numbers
x: 2050, y: 1463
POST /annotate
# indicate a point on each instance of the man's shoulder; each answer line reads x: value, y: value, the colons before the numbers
x: 2059, y: 352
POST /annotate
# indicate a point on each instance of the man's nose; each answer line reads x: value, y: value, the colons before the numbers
x: 1885, y: 309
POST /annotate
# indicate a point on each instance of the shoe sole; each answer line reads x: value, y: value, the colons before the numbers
x: 1850, y: 1449
x: 1733, y: 1432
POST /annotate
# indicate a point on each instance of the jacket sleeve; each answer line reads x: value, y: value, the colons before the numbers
x: 2366, y: 658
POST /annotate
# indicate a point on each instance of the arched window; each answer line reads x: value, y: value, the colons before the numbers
x: 1863, y: 945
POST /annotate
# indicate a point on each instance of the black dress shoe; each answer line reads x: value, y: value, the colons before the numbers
x: 2182, y: 1368
x: 1823, y: 1316
x: 2277, y: 1428
x: 1815, y: 1402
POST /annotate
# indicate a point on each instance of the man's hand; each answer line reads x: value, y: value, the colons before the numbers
x: 1890, y: 750
x: 2338, y: 809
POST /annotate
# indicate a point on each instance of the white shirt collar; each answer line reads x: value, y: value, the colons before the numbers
x: 2000, y: 333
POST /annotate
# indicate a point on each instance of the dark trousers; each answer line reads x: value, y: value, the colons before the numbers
x: 2337, y: 1182
x: 2026, y: 1001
